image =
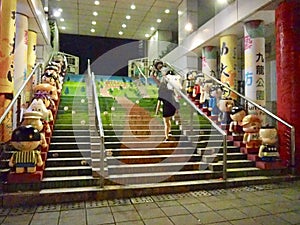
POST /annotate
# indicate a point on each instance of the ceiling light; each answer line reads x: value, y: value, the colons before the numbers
x: 62, y: 19
x: 133, y: 6
x: 120, y: 32
x: 46, y: 9
x: 222, y: 1
x: 93, y: 30
x: 95, y: 13
x: 180, y: 12
x: 147, y: 35
x: 56, y: 13
x: 188, y: 27
x: 63, y: 28
x: 152, y: 28
x: 128, y: 17
x: 124, y: 25
x: 60, y: 10
x: 158, y: 20
x: 96, y: 2
x: 94, y: 22
x: 167, y: 11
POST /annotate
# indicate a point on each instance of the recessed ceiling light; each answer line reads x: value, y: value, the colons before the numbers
x: 158, y: 20
x: 128, y: 17
x: 96, y: 2
x: 124, y: 25
x: 222, y: 1
x: 167, y: 11
x: 56, y: 13
x: 46, y: 9
x: 188, y: 27
x: 152, y: 28
x: 95, y: 13
x: 63, y: 28
x: 180, y: 12
x: 60, y: 10
x: 62, y: 19
x: 120, y: 32
x: 94, y: 22
x: 133, y: 6
x: 93, y: 30
x: 147, y: 35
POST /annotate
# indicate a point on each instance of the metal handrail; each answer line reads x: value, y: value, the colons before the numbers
x: 141, y: 72
x: 220, y: 130
x: 293, y: 149
x: 99, y: 121
x: 10, y: 106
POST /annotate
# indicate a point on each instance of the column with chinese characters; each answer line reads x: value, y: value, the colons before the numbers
x: 209, y: 60
x: 254, y: 42
x: 228, y: 64
x: 7, y: 35
x: 31, y: 59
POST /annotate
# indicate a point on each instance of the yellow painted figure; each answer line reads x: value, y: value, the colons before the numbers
x: 251, y: 125
x: 268, y: 150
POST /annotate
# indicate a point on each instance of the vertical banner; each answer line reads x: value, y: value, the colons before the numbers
x: 31, y: 58
x: 7, y: 35
x: 254, y: 41
x: 228, y: 64
x: 209, y: 60
x: 21, y: 46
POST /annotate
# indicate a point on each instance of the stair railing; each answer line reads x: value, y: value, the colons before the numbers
x: 141, y: 73
x: 36, y: 70
x: 220, y: 130
x: 289, y: 135
x: 98, y: 121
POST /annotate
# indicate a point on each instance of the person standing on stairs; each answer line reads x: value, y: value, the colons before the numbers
x: 167, y: 97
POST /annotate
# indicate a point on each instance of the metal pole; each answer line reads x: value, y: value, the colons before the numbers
x: 225, y: 157
x: 293, y: 150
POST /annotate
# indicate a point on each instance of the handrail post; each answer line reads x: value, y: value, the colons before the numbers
x: 293, y: 150
x: 225, y: 157
x: 102, y: 155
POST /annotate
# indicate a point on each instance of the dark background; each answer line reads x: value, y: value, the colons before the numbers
x: 115, y: 52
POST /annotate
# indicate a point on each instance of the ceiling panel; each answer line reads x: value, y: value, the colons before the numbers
x: 78, y: 15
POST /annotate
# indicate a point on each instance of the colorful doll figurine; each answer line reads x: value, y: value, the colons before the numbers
x: 26, y: 139
x: 215, y: 96
x: 197, y: 90
x: 190, y: 82
x: 268, y: 150
x: 49, y: 103
x: 225, y: 106
x: 33, y: 118
x: 237, y: 115
x: 251, y: 125
x: 204, y: 96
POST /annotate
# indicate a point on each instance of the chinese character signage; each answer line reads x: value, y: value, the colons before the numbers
x: 255, y: 61
x: 228, y: 63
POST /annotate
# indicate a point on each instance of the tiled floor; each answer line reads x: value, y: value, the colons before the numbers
x: 276, y: 204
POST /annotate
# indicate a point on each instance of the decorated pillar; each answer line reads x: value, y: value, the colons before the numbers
x: 254, y: 41
x: 209, y: 60
x: 7, y: 35
x: 228, y: 63
x: 287, y: 22
x: 31, y: 59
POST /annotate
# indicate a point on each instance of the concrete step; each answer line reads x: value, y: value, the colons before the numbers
x: 148, y: 144
x: 71, y: 127
x: 142, y: 137
x: 203, y: 131
x: 231, y: 164
x: 68, y: 153
x: 203, y: 137
x: 113, y: 132
x: 73, y: 138
x: 65, y: 171
x: 69, y: 182
x: 158, y: 177
x: 211, y: 143
x: 254, y: 171
x: 71, y: 133
x: 126, y: 126
x: 151, y: 151
x: 72, y: 161
x: 116, y: 160
x: 69, y: 145
x: 156, y: 167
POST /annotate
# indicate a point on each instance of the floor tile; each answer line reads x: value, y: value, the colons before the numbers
x: 158, y: 221
x: 151, y: 213
x: 120, y: 208
x: 270, y: 220
x: 232, y: 214
x: 17, y: 219
x: 97, y: 219
x: 126, y: 216
x: 209, y: 217
x: 253, y: 211
x: 130, y: 223
x: 95, y: 211
x: 77, y: 213
x: 148, y: 206
x: 240, y: 203
x: 219, y: 205
x: 188, y: 200
x: 72, y: 221
x: 46, y: 216
x: 248, y: 221
x: 197, y: 207
x: 175, y: 210
x: 291, y: 217
x: 277, y: 208
x: 184, y: 219
x: 44, y: 222
x: 168, y: 203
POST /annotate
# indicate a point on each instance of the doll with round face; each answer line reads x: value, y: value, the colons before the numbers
x: 237, y: 115
x: 215, y: 95
x: 26, y: 140
x: 268, y: 150
x: 251, y: 125
x: 225, y: 106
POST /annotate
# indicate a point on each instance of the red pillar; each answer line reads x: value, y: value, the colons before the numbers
x: 288, y: 73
